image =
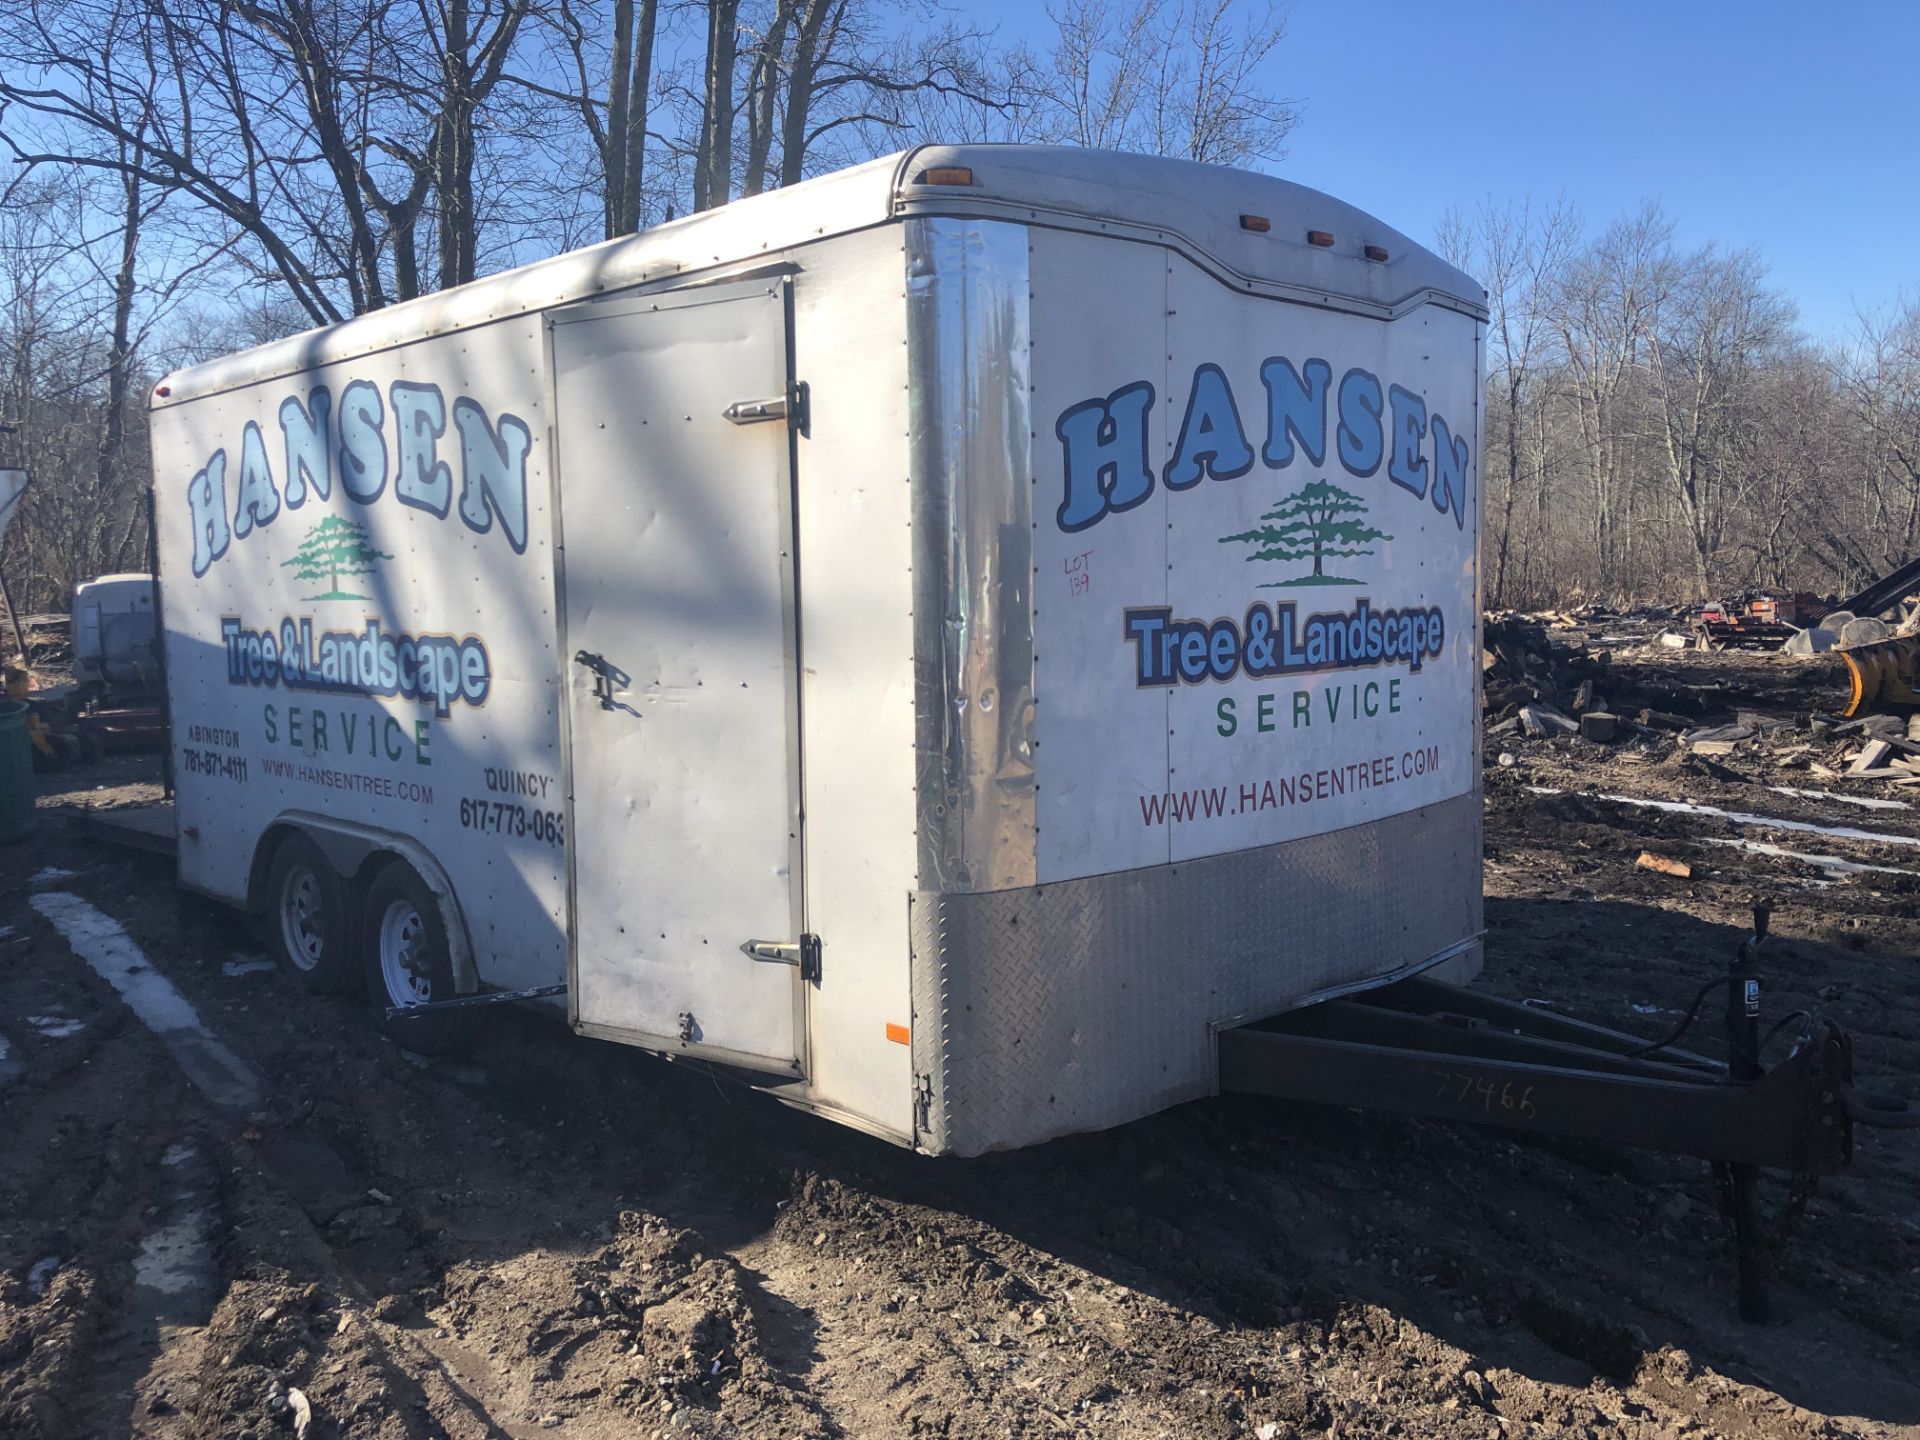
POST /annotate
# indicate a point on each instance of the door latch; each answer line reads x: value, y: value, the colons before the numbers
x: 606, y: 675
x: 752, y: 412
x: 803, y: 954
x: 792, y: 405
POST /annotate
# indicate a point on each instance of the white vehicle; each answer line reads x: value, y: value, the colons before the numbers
x: 948, y: 637
x: 114, y: 632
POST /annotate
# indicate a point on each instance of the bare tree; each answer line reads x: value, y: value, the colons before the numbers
x: 1519, y: 253
x: 1169, y: 77
x: 1604, y: 311
x: 1718, y: 327
x: 1881, y: 381
x: 326, y: 135
x: 69, y: 342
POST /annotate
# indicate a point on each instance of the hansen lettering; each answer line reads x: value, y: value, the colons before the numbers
x: 372, y: 447
x: 1104, y: 453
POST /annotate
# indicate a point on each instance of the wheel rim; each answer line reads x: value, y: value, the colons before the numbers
x: 403, y: 954
x: 302, y: 917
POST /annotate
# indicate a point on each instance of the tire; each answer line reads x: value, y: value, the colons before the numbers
x: 309, y: 918
x: 403, y: 942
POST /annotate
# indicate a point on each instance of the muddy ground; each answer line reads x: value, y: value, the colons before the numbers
x: 556, y: 1236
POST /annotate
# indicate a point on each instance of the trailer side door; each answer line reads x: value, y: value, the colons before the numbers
x: 680, y: 627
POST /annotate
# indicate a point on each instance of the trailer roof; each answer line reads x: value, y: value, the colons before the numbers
x: 1209, y: 212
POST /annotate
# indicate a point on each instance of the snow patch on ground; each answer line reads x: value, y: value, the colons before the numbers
x: 40, y: 1276
x: 1865, y: 802
x: 176, y: 1257
x: 98, y: 939
x: 1839, y: 865
x: 1739, y: 817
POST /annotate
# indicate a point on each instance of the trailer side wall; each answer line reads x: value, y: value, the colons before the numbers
x: 359, y: 606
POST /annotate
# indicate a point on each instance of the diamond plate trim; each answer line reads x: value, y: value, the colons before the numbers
x: 1077, y: 1006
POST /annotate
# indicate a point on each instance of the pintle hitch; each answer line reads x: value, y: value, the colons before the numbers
x: 1423, y: 1047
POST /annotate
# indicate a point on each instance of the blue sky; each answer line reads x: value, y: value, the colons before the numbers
x: 1793, y: 129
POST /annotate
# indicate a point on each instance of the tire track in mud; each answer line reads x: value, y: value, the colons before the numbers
x: 375, y: 1322
x: 110, y: 1203
x: 130, y: 1300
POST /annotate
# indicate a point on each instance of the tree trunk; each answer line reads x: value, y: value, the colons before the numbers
x: 1513, y: 491
x: 120, y: 354
x: 636, y: 148
x: 713, y: 165
x: 453, y: 150
x: 760, y: 96
x: 614, y: 151
x: 800, y: 82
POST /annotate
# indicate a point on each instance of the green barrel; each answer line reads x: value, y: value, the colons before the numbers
x: 16, y: 773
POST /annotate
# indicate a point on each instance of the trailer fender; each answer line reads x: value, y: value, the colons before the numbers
x: 348, y: 847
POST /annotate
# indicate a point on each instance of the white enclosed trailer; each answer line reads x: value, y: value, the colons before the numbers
x: 948, y: 637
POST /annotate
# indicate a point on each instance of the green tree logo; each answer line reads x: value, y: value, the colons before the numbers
x: 333, y: 548
x: 1322, y: 520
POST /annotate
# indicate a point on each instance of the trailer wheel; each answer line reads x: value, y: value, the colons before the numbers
x: 307, y: 908
x: 404, y: 942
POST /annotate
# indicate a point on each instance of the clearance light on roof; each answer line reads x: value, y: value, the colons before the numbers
x: 946, y: 175
x: 1259, y: 224
x: 163, y: 391
x: 1376, y: 253
x: 1322, y: 238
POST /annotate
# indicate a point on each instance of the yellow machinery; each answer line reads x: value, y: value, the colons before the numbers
x: 1883, y: 675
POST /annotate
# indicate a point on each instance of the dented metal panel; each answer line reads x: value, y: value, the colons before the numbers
x: 969, y: 423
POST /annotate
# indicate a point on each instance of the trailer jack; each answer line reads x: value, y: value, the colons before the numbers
x: 1423, y: 1047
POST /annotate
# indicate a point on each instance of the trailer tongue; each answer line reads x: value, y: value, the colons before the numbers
x: 1424, y: 1047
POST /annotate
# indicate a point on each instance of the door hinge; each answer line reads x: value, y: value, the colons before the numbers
x: 923, y: 1103
x: 804, y: 954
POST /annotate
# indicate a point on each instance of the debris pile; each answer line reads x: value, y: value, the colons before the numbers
x: 1542, y: 685
x: 1756, y: 620
x: 1736, y: 717
x: 49, y: 641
